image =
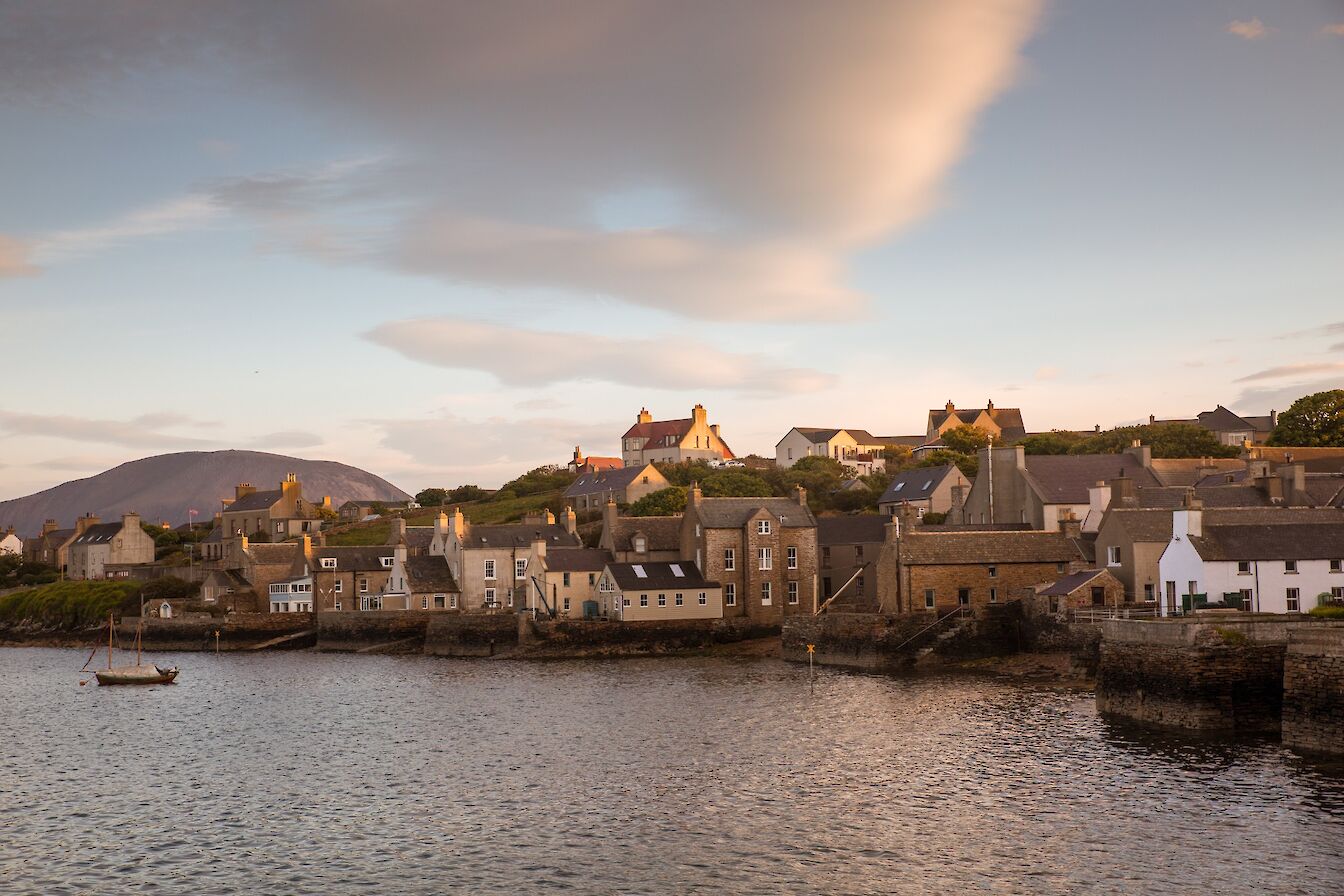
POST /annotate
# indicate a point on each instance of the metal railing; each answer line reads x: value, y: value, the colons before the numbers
x: 1096, y: 614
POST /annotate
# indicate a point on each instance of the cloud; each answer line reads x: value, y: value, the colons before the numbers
x: 528, y: 358
x: 1323, y: 329
x: 1335, y: 30
x: 1249, y: 29
x: 1046, y: 373
x: 140, y: 432
x: 1292, y: 370
x: 287, y: 439
x: 170, y: 216
x: 14, y: 258
x: 786, y: 142
x: 1337, y: 347
x: 1281, y: 396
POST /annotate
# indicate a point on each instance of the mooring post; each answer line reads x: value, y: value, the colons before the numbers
x: 216, y: 642
x: 811, y: 675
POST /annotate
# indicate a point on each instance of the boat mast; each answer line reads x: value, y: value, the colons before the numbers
x: 139, y: 627
x: 109, y: 640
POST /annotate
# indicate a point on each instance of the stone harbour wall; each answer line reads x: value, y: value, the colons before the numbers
x: 238, y: 631
x: 1313, y: 690
x: 899, y: 642
x: 578, y: 637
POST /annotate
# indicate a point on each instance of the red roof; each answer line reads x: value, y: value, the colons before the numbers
x: 667, y: 433
x: 597, y: 464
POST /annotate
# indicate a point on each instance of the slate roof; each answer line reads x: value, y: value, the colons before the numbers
x: 430, y: 574
x: 1293, y: 541
x: 1220, y: 419
x: 663, y: 532
x: 953, y: 548
x: 1009, y: 420
x: 1223, y: 477
x: 215, y: 537
x: 733, y: 513
x: 362, y: 558
x: 576, y: 560
x: 283, y: 554
x: 658, y: 575
x: 255, y: 501
x: 1325, y: 489
x: 518, y: 535
x: 915, y: 485
x: 101, y: 533
x: 1065, y: 478
x: 1214, y: 496
x: 604, y: 480
x: 1071, y: 583
x: 419, y: 537
x: 815, y: 435
x: 1185, y: 470
x: 1154, y: 525
x: 860, y: 528
x: 975, y: 527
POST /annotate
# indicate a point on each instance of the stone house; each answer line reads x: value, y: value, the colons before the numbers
x: 10, y: 543
x: 762, y: 550
x: 845, y: 445
x: 920, y: 570
x: 570, y: 578
x: 1088, y: 588
x: 271, y: 515
x: 421, y: 582
x: 850, y: 547
x: 1002, y: 424
x: 646, y: 592
x: 493, y: 565
x: 926, y: 489
x: 1271, y: 568
x: 673, y: 441
x: 100, y: 544
x: 52, y: 546
x: 623, y: 485
x: 262, y: 565
x: 1231, y: 429
x: 351, y: 578
x: 640, y: 539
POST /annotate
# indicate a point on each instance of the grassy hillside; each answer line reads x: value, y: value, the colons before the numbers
x: 70, y: 605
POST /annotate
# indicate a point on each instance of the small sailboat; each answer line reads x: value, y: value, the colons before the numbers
x: 140, y: 673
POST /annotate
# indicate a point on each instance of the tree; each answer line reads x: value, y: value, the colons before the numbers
x: 665, y: 502
x: 465, y: 493
x: 1054, y: 442
x: 1165, y: 440
x: 965, y: 439
x: 735, y: 484
x: 684, y: 473
x: 969, y: 464
x: 897, y: 456
x: 1313, y: 421
x: 169, y: 588
x: 432, y: 497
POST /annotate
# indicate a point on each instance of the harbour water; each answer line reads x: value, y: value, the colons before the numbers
x: 328, y: 774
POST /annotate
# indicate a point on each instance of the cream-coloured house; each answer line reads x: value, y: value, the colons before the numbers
x: 623, y: 485
x: 845, y: 445
x: 102, y: 544
x: 570, y: 581
x: 1003, y: 424
x: 673, y: 441
x: 275, y: 515
x: 494, y: 566
x: 646, y: 592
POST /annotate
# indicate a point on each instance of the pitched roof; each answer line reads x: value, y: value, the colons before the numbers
x: 1009, y: 420
x: 915, y: 485
x: 101, y: 533
x: 952, y: 548
x: 215, y: 537
x: 1065, y: 478
x: 660, y: 432
x: 1154, y: 525
x: 516, y: 535
x: 1212, y: 496
x: 603, y: 463
x: 815, y: 435
x: 733, y: 513
x: 663, y: 532
x: 256, y: 501
x: 648, y: 576
x: 1185, y: 470
x: 430, y: 573
x: 606, y: 480
x: 363, y: 558
x: 576, y: 560
x: 288, y: 554
x: 419, y: 537
x: 1325, y: 489
x: 1220, y: 419
x: 859, y: 528
x: 1071, y: 583
x: 1293, y: 541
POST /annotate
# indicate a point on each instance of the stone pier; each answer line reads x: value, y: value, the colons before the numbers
x: 1313, y: 690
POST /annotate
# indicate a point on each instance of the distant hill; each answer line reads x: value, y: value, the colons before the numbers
x: 167, y: 486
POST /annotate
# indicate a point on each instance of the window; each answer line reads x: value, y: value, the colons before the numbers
x: 520, y: 568
x: 793, y: 592
x: 858, y: 555
x: 592, y: 578
x: 363, y: 586
x: 1337, y: 592
x: 928, y: 598
x: 641, y: 544
x: 697, y: 530
x: 424, y: 602
x: 489, y: 569
x: 337, y: 587
x: 566, y: 605
x: 1243, y: 567
x: 793, y: 557
x: 490, y: 597
x: 387, y: 562
x: 729, y: 559
x: 1246, y: 596
x: 564, y: 579
x: 1149, y: 592
x: 765, y: 594
x: 1294, y: 603
x: 825, y: 556
x: 993, y: 595
x: 964, y: 596
x: 702, y: 599
x: 762, y: 527
x: 1061, y: 567
x: 1290, y: 566
x: 508, y: 598
x: 662, y: 600
x: 765, y: 558
x: 328, y: 562
x: 452, y: 601
x: 643, y: 600
x: 338, y: 606
x: 1113, y: 555
x: 439, y: 601
x: 730, y: 594
x: 1337, y: 565
x: 993, y: 572
x: 625, y: 601
x: 899, y: 486
x: 679, y: 600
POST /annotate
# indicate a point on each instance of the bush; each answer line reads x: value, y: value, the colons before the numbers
x: 71, y: 605
x: 1329, y: 611
x: 541, y: 479
x: 666, y: 502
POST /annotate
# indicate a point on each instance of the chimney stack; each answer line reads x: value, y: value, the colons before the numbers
x: 569, y: 520
x: 242, y: 490
x: 695, y: 496
x: 800, y: 496
x: 644, y: 416
x: 1070, y: 525
x: 949, y: 407
x: 989, y: 408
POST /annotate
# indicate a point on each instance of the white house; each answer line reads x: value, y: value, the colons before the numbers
x: 10, y: 543
x: 1270, y: 568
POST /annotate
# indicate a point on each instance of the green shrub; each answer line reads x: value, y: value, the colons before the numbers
x: 71, y: 605
x: 1231, y: 637
x: 1329, y: 611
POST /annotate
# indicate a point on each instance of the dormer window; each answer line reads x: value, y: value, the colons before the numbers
x: 328, y: 562
x: 641, y: 544
x: 762, y: 527
x: 387, y: 562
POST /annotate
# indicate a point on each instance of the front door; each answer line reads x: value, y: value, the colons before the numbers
x: 964, y: 597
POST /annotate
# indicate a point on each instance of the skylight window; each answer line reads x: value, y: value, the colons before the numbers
x: 926, y: 485
x: 639, y: 571
x: 676, y: 570
x: 899, y: 486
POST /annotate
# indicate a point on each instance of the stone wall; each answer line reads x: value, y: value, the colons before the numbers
x: 578, y: 637
x: 238, y: 631
x: 898, y: 642
x: 1313, y: 690
x: 471, y: 634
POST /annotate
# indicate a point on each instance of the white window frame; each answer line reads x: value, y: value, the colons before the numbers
x: 662, y: 600
x: 729, y: 559
x: 703, y: 599
x: 452, y: 601
x: 729, y: 594
x: 338, y: 606
x: 762, y: 527
x: 1290, y: 567
x: 520, y: 568
x: 328, y: 562
x: 1113, y: 555
x: 337, y: 588
x: 679, y: 599
x: 792, y: 557
x: 793, y: 592
x: 488, y: 568
x: 643, y: 600
x: 363, y: 586
x: 1292, y: 598
x: 765, y: 558
x: 767, y: 594
x: 424, y: 602
x: 491, y: 597
x: 1243, y: 567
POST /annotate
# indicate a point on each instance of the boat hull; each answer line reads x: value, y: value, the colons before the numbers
x: 145, y: 673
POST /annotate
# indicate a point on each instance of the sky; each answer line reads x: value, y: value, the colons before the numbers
x: 447, y: 242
